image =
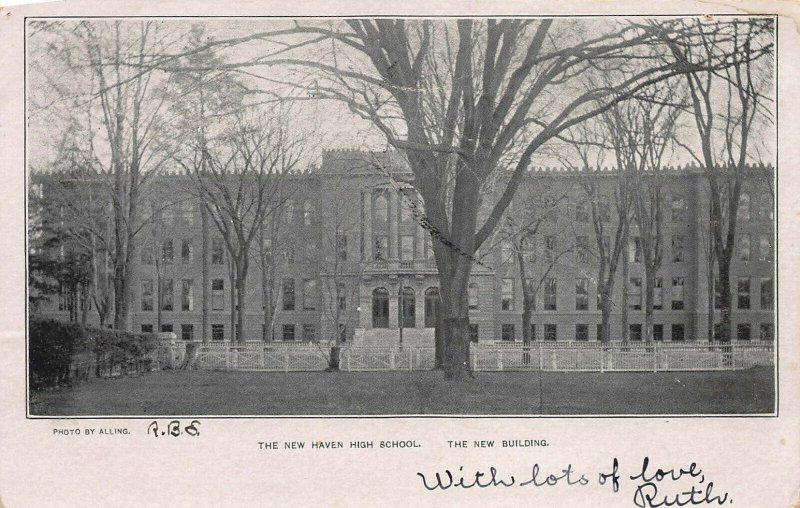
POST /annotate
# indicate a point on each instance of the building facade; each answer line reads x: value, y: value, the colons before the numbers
x: 344, y: 253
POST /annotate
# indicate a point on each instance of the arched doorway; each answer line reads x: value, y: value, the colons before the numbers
x: 432, y: 306
x: 380, y: 308
x: 405, y: 311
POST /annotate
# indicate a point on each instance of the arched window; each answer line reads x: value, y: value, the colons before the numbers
x: 406, y: 309
x: 380, y: 308
x: 381, y: 209
x: 432, y: 306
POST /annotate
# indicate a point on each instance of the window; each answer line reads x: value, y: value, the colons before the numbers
x: 506, y: 252
x: 167, y: 253
x: 309, y: 294
x: 217, y: 252
x: 381, y: 209
x: 581, y: 212
x: 677, y: 293
x: 288, y: 212
x: 187, y: 332
x: 635, y: 249
x: 718, y: 331
x: 765, y: 248
x: 217, y: 294
x: 677, y: 248
x: 507, y: 333
x: 288, y: 294
x: 147, y: 328
x: 550, y: 294
x: 288, y: 256
x: 582, y: 332
x: 473, y: 296
x: 187, y: 295
x: 582, y: 294
x: 528, y: 247
x: 380, y: 248
x: 407, y: 247
x: 507, y: 300
x: 550, y: 248
x: 583, y: 249
x: 743, y: 292
x: 743, y: 331
x: 309, y: 333
x: 767, y: 331
x: 341, y: 247
x: 744, y: 206
x: 677, y: 332
x: 766, y: 293
x: 744, y: 247
x: 217, y: 332
x: 187, y: 254
x: 187, y: 211
x: 166, y: 328
x: 635, y: 332
x: 147, y: 295
x: 429, y: 255
x: 658, y: 293
x: 342, y: 332
x: 658, y: 332
x: 533, y: 331
x: 550, y: 333
x: 473, y: 333
x: 677, y: 206
x: 167, y: 295
x: 341, y: 291
x: 308, y: 212
x: 288, y: 332
x: 147, y: 254
x: 600, y: 331
x: 635, y: 294
x: 765, y: 207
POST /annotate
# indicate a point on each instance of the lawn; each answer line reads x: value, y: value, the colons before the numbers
x: 424, y: 393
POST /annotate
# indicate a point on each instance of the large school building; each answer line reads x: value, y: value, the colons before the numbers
x: 344, y: 252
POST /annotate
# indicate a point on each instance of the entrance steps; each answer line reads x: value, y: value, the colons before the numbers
x: 386, y: 337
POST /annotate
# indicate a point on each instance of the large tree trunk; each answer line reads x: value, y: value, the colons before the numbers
x: 624, y: 309
x: 205, y: 241
x: 241, y: 293
x: 725, y: 300
x: 455, y: 306
x: 649, y: 274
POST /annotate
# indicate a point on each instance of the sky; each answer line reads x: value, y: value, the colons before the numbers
x: 328, y: 124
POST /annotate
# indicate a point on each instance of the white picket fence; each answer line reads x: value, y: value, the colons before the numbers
x: 560, y: 357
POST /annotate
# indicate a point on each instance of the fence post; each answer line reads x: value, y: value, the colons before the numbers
x: 655, y: 358
x: 500, y: 359
x: 602, y: 359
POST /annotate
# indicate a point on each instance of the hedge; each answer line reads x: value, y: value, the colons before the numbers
x: 61, y: 352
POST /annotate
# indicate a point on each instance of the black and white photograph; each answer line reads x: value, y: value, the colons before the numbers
x: 401, y: 216
x: 350, y: 253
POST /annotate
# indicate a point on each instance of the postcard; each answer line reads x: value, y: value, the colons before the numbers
x: 351, y: 254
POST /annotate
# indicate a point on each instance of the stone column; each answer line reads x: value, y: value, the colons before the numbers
x: 365, y: 302
x: 367, y: 225
x: 393, y: 303
x: 419, y: 308
x: 392, y: 229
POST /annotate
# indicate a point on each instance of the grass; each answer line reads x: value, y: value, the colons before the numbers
x: 382, y: 393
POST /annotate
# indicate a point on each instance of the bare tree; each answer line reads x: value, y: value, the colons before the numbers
x: 725, y: 103
x: 640, y: 132
x: 240, y: 183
